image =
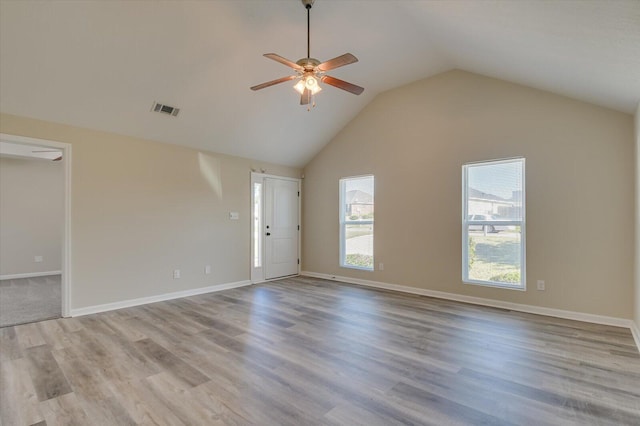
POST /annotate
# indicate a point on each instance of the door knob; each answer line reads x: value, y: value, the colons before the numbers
x: 268, y: 233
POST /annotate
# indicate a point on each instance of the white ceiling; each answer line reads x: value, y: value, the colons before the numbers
x: 101, y: 64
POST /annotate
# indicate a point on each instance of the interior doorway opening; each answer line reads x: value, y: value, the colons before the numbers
x: 35, y: 229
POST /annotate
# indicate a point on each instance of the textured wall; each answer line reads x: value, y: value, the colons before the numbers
x: 414, y: 139
x: 141, y: 209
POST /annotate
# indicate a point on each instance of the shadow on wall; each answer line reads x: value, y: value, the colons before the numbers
x: 210, y: 170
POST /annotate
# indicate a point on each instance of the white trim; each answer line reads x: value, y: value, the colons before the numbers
x: 29, y: 275
x: 274, y: 279
x: 559, y: 313
x: 494, y: 284
x: 66, y: 235
x: 299, y: 226
x: 266, y: 175
x: 466, y: 222
x: 158, y: 298
x: 635, y: 332
x: 259, y: 274
x: 343, y: 222
x: 497, y: 160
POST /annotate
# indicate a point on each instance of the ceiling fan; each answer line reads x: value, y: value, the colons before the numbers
x: 309, y: 71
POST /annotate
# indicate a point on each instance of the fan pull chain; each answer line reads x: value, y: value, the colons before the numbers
x: 312, y: 102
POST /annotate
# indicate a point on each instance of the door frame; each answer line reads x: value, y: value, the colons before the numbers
x: 66, y: 233
x: 258, y: 273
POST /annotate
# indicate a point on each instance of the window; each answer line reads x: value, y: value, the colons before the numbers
x: 493, y: 223
x: 356, y: 222
x: 257, y: 224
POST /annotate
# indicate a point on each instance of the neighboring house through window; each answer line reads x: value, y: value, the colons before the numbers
x: 356, y: 222
x: 493, y: 223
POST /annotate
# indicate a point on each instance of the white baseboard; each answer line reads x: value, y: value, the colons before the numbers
x: 29, y: 275
x: 158, y: 298
x: 635, y: 331
x: 266, y: 280
x: 559, y: 313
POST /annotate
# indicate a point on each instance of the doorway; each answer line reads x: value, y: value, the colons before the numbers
x: 34, y: 275
x: 275, y: 227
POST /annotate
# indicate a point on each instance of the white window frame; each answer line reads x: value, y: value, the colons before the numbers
x: 344, y: 222
x: 466, y: 222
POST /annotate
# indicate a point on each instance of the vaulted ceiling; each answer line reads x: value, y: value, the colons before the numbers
x: 101, y: 64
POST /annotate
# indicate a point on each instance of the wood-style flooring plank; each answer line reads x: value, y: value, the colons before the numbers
x: 143, y: 405
x: 305, y: 351
x: 47, y: 377
x: 19, y: 403
x: 64, y: 410
x: 171, y: 363
x: 9, y: 344
x: 29, y: 335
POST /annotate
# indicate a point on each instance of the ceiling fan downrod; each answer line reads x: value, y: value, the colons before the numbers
x: 308, y: 4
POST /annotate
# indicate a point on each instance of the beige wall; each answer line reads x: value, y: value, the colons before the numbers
x: 31, y: 215
x: 637, y: 216
x: 141, y: 209
x: 414, y: 139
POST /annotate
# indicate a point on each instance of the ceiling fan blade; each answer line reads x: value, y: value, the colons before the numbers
x: 305, y: 99
x: 284, y: 61
x: 340, y: 61
x: 341, y: 84
x: 272, y: 82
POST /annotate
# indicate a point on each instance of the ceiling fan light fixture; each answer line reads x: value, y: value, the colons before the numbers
x: 299, y: 86
x: 308, y: 82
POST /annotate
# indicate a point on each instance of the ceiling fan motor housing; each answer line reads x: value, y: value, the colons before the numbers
x: 308, y: 3
x: 308, y: 63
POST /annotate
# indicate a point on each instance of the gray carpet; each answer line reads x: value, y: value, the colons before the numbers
x: 30, y: 299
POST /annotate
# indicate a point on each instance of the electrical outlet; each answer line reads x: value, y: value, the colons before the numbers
x: 37, y: 259
x: 541, y: 285
x: 176, y: 274
x: 207, y: 269
x: 381, y: 266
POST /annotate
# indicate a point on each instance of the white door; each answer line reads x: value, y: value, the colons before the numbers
x: 281, y: 227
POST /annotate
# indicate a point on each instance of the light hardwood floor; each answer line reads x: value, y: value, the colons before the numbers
x: 306, y: 351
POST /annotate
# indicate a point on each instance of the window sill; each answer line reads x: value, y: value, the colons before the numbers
x: 359, y: 268
x: 494, y: 284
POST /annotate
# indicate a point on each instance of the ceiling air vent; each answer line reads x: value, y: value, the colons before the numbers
x: 165, y: 109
